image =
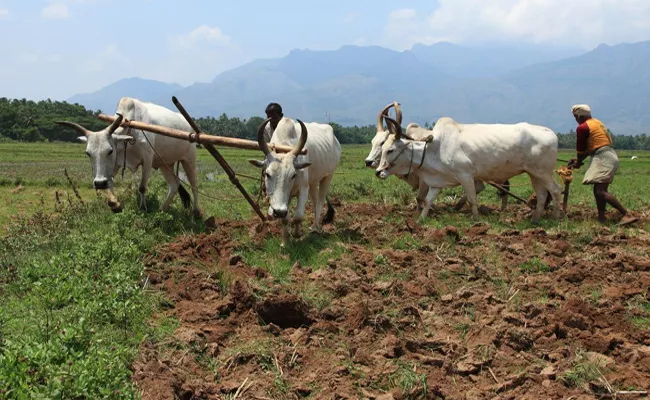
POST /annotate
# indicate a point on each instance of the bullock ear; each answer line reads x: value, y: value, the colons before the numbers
x: 301, y: 165
x: 257, y: 163
x: 82, y: 139
x: 122, y: 137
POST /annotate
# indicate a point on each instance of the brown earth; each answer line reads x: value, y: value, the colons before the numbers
x: 475, y: 313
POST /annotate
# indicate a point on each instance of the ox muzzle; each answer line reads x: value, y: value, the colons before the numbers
x: 101, y: 184
x: 279, y: 213
x: 371, y: 163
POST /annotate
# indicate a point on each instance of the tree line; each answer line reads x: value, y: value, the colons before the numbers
x: 29, y: 121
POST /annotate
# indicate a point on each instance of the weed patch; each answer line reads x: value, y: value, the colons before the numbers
x: 73, y: 309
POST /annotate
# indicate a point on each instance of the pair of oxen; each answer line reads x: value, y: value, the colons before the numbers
x: 452, y: 154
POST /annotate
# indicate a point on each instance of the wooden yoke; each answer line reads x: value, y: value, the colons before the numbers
x: 199, y: 136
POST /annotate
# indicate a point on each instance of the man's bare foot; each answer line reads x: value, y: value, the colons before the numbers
x: 627, y: 220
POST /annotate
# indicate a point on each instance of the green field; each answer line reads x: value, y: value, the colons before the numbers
x: 74, y: 300
x: 39, y: 169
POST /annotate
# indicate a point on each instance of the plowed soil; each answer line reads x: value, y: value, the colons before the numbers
x: 476, y: 313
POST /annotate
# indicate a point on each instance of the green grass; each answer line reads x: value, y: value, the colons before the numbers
x: 583, y: 370
x: 534, y: 266
x: 408, y: 379
x: 73, y: 309
x: 38, y: 167
x: 312, y: 251
x: 639, y: 312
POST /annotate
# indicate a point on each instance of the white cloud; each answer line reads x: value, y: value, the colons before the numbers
x: 350, y: 18
x: 36, y: 58
x: 110, y: 59
x: 402, y: 14
x: 201, y: 35
x: 56, y: 11
x: 4, y: 12
x: 405, y: 28
x: 197, y: 56
x: 360, y: 42
x: 585, y: 23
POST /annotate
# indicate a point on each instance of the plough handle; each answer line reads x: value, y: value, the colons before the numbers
x: 222, y: 161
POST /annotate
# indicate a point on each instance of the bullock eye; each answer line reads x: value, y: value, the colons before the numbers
x: 390, y: 151
x: 110, y: 152
x: 88, y: 153
x: 268, y: 176
x: 293, y: 176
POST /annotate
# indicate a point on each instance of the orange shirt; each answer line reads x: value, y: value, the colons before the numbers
x: 591, y: 135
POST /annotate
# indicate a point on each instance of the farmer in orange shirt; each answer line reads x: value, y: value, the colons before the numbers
x: 594, y: 140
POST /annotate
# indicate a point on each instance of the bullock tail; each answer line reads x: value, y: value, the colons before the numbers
x: 185, y: 197
x: 329, y: 216
x: 505, y: 185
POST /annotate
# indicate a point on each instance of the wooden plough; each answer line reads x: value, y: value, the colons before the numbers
x: 565, y: 173
x: 208, y: 141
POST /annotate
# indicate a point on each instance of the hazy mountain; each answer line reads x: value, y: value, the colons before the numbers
x: 349, y: 84
x: 497, y: 84
x: 488, y: 60
x: 106, y: 99
x: 613, y: 80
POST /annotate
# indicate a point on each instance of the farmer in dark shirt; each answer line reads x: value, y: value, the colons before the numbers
x: 274, y: 113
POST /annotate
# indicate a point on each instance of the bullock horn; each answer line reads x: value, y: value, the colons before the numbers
x: 384, y: 111
x: 398, y: 112
x: 74, y: 126
x: 397, y: 128
x: 303, y: 139
x: 116, y: 124
x: 260, y: 138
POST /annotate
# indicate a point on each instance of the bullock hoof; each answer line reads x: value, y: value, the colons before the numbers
x: 116, y: 207
x: 211, y: 223
x: 259, y: 229
x: 197, y: 213
x: 315, y: 229
x: 484, y: 210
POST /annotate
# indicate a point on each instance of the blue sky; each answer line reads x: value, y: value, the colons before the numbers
x: 57, y: 48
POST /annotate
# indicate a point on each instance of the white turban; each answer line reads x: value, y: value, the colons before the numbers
x: 581, y: 110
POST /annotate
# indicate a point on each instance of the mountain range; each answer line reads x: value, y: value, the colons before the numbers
x: 498, y: 84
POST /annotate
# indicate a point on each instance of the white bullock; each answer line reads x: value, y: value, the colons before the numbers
x: 115, y: 147
x: 460, y: 154
x: 412, y: 177
x: 292, y: 175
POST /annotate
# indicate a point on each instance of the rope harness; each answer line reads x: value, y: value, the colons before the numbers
x: 566, y: 174
x: 126, y: 142
x: 424, y: 154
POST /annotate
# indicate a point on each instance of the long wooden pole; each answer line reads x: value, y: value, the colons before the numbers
x: 199, y: 136
x: 508, y: 192
x: 222, y: 161
x: 565, y: 199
